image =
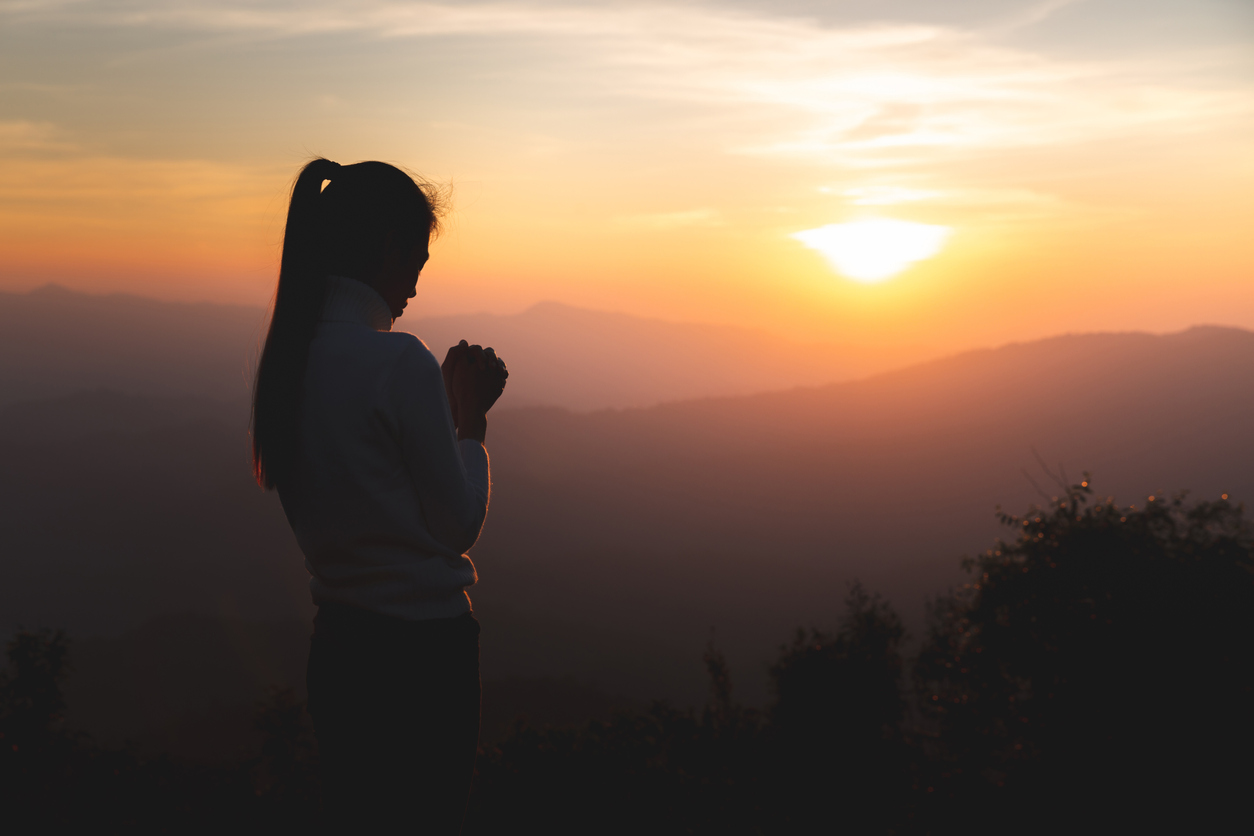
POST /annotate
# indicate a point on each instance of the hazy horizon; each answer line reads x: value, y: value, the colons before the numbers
x: 414, y: 316
x: 875, y: 174
x: 626, y: 362
x: 119, y: 507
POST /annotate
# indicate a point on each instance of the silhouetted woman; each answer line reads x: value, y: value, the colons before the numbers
x: 377, y: 454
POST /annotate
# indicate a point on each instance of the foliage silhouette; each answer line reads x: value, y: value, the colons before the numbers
x: 56, y: 780
x: 35, y: 755
x: 663, y: 770
x: 1096, y: 672
x: 31, y: 705
x: 837, y: 720
x: 1103, y: 660
x: 830, y: 749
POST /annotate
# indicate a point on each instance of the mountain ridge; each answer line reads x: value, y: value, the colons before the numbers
x: 54, y: 340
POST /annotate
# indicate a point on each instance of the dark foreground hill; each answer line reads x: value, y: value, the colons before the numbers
x: 618, y: 540
x: 1094, y: 675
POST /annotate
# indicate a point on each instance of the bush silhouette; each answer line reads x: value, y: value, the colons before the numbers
x: 837, y: 719
x: 36, y: 756
x: 31, y: 704
x: 1102, y: 661
x: 829, y: 752
x: 664, y: 770
x: 1096, y: 673
x: 57, y: 780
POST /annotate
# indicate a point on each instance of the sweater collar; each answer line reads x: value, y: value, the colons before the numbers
x: 349, y: 300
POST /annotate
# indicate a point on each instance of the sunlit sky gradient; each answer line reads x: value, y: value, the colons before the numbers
x: 1094, y: 160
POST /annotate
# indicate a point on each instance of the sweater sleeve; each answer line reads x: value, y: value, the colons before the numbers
x: 451, y: 477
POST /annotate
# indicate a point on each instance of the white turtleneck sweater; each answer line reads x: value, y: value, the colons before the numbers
x: 385, y: 501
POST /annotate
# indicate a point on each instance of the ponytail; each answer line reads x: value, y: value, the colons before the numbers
x: 297, y: 305
x: 337, y: 231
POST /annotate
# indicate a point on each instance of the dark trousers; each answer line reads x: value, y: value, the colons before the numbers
x: 395, y: 706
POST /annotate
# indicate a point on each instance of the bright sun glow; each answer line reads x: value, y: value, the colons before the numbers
x: 874, y: 250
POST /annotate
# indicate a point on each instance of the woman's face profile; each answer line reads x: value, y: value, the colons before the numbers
x: 397, y: 280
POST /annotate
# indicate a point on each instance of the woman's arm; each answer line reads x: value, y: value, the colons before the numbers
x: 451, y: 477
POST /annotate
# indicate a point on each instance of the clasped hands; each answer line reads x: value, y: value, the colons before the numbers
x: 474, y: 378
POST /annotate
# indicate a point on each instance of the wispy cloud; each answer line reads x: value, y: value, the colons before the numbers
x: 1030, y: 16
x: 878, y: 195
x: 898, y: 108
x: 672, y: 220
x: 22, y: 137
x: 857, y: 96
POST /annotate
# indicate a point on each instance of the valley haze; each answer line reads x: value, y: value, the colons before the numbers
x: 620, y: 540
x: 57, y: 341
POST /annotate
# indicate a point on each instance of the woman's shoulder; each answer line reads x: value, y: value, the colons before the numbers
x: 412, y: 369
x: 410, y: 350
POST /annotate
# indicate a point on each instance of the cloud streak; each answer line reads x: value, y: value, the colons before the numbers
x: 865, y: 96
x: 855, y: 95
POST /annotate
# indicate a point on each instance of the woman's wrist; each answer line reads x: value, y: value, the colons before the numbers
x: 473, y: 427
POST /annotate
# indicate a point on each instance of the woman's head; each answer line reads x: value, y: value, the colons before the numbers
x: 372, y: 223
x: 375, y: 223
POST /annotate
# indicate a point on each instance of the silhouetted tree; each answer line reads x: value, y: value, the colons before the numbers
x: 1101, y: 664
x: 35, y: 754
x: 828, y: 756
x: 55, y: 780
x: 837, y: 720
x: 285, y: 777
x: 32, y: 707
x: 663, y: 770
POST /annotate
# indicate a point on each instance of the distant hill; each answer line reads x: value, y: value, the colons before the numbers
x: 586, y: 360
x: 55, y: 341
x: 618, y: 539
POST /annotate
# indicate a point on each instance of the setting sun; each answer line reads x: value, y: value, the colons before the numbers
x: 874, y: 250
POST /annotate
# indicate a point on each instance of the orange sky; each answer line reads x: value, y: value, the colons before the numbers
x: 1092, y: 160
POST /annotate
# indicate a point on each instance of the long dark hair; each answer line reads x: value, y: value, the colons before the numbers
x: 342, y: 230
